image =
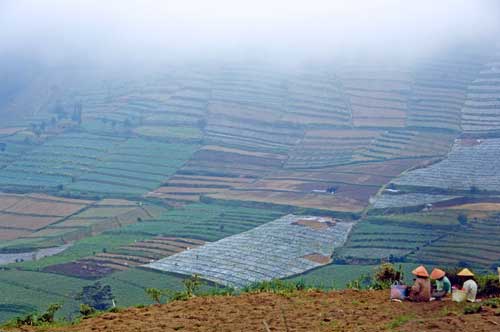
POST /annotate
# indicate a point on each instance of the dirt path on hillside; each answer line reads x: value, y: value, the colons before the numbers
x: 307, y: 311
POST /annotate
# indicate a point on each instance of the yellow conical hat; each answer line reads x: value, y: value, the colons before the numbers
x: 465, y: 273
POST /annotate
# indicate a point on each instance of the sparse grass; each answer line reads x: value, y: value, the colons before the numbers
x: 400, y: 321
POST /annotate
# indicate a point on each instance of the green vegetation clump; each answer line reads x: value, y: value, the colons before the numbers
x: 36, y: 319
x: 276, y: 286
x: 473, y: 308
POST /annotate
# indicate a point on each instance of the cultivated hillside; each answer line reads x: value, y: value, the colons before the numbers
x: 107, y: 175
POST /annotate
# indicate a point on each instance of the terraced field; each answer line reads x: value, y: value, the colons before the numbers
x: 68, y: 219
x: 252, y: 142
x: 481, y: 109
x: 439, y: 91
x: 23, y: 216
x: 477, y: 244
x: 378, y: 240
x: 124, y: 258
x: 207, y: 222
x: 281, y: 248
x: 466, y: 166
x: 378, y: 95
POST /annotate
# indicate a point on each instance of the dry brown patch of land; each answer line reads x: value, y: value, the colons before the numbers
x: 346, y: 311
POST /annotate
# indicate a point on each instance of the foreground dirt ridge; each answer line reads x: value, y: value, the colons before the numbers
x: 302, y: 311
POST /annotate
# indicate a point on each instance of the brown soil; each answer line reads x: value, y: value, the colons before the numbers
x: 307, y: 311
x: 318, y: 258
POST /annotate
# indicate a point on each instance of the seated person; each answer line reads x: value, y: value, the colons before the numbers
x: 421, y: 289
x: 443, y: 284
x: 469, y: 285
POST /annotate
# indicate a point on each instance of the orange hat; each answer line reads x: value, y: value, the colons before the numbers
x: 465, y: 273
x: 437, y: 274
x: 420, y: 272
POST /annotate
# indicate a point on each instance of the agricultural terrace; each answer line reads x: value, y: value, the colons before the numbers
x: 281, y: 248
x: 25, y: 215
x: 377, y: 95
x: 475, y: 242
x: 316, y: 97
x: 463, y: 234
x: 77, y: 219
x: 207, y: 222
x: 124, y: 257
x: 91, y: 164
x: 397, y: 200
x: 341, y: 188
x: 481, y: 110
x: 439, y: 91
x: 466, y: 166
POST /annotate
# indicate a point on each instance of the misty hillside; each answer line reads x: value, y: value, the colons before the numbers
x: 143, y: 144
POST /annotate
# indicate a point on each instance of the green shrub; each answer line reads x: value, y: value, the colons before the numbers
x: 473, y: 308
x: 48, y: 315
x: 493, y: 303
x: 489, y: 285
x: 86, y: 310
x: 35, y: 319
x: 191, y: 285
x: 155, y: 294
x: 276, y: 286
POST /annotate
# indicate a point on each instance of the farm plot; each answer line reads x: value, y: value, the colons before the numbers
x: 170, y: 132
x: 315, y: 97
x: 388, y: 200
x: 464, y: 168
x: 14, y: 147
x: 90, y: 219
x: 57, y: 161
x: 341, y: 188
x: 273, y: 250
x: 215, y: 169
x: 124, y: 258
x: 395, y: 144
x: 322, y: 148
x: 207, y: 222
x: 439, y: 92
x: 254, y: 85
x: 20, y: 215
x: 482, y: 107
x: 373, y: 241
x: 250, y: 127
x: 133, y: 168
x: 476, y: 244
x: 377, y: 96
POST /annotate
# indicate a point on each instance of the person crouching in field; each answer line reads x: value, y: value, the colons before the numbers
x: 469, y: 284
x: 421, y: 289
x: 443, y: 284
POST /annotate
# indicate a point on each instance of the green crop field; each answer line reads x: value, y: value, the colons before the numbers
x: 203, y: 221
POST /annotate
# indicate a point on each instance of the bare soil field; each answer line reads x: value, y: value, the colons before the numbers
x: 25, y: 222
x: 38, y: 207
x: 310, y: 200
x: 477, y: 207
x: 347, y: 311
x: 12, y: 234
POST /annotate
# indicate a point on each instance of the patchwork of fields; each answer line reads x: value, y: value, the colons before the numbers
x: 117, y: 170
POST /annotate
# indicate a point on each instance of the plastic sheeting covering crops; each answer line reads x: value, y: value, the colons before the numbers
x: 273, y: 250
x: 465, y: 167
x: 403, y: 200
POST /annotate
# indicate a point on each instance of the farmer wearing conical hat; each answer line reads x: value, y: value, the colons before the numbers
x: 421, y: 289
x: 469, y: 286
x: 443, y: 284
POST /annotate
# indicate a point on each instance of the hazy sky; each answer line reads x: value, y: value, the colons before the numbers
x: 56, y: 31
